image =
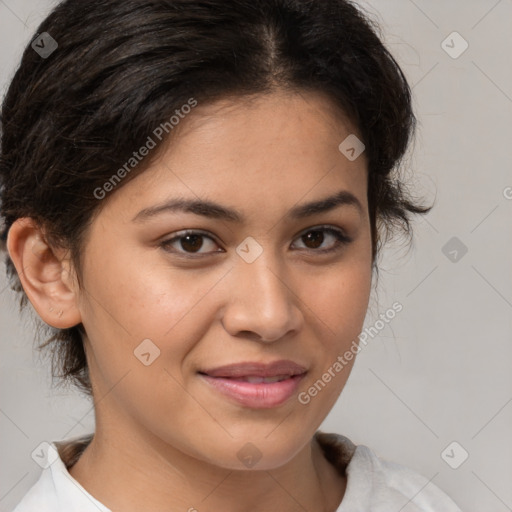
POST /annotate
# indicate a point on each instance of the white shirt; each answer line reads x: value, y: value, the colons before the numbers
x: 373, y: 484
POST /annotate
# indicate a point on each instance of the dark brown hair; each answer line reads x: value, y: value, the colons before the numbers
x: 70, y: 119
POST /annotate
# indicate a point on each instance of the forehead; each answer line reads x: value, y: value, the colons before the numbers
x: 277, y: 113
x: 275, y: 149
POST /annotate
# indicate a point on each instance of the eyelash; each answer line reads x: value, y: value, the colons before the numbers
x: 341, y: 240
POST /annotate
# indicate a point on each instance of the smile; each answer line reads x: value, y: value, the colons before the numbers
x: 256, y: 392
x: 254, y: 384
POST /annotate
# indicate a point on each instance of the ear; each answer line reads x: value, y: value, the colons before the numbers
x: 45, y: 274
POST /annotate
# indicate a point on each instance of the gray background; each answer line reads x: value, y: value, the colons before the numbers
x: 441, y: 370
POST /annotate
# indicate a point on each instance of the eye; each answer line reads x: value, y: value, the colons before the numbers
x: 315, y: 237
x: 189, y: 241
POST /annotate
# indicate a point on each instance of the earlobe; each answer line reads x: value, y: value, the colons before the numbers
x: 44, y: 273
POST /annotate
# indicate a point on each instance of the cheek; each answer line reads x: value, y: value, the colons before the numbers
x: 140, y: 299
x: 340, y: 310
x: 132, y: 310
x: 340, y: 299
x: 340, y: 304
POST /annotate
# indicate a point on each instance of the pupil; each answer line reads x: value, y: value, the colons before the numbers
x: 315, y: 236
x: 194, y: 242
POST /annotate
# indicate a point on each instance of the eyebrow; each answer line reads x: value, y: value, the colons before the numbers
x: 214, y: 210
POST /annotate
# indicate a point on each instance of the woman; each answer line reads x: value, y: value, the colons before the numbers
x: 194, y: 196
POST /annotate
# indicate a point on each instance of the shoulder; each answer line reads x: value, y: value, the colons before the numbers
x: 41, y: 496
x: 375, y: 484
x: 395, y: 484
x: 56, y: 490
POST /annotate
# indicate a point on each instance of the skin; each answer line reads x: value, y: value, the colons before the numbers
x: 165, y: 440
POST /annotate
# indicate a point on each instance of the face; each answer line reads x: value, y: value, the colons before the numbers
x: 172, y: 296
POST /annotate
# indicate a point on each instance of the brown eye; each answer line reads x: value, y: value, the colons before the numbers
x: 188, y: 243
x: 192, y: 242
x: 314, y: 238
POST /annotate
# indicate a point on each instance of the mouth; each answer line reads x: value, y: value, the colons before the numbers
x: 255, y: 380
x: 256, y: 385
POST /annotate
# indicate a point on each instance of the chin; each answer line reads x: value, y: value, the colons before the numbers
x: 256, y: 453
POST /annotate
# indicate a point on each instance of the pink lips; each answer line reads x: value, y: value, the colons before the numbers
x: 256, y: 385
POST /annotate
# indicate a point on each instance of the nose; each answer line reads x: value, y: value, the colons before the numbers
x: 262, y: 304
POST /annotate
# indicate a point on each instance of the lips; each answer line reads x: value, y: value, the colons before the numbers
x: 256, y: 385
